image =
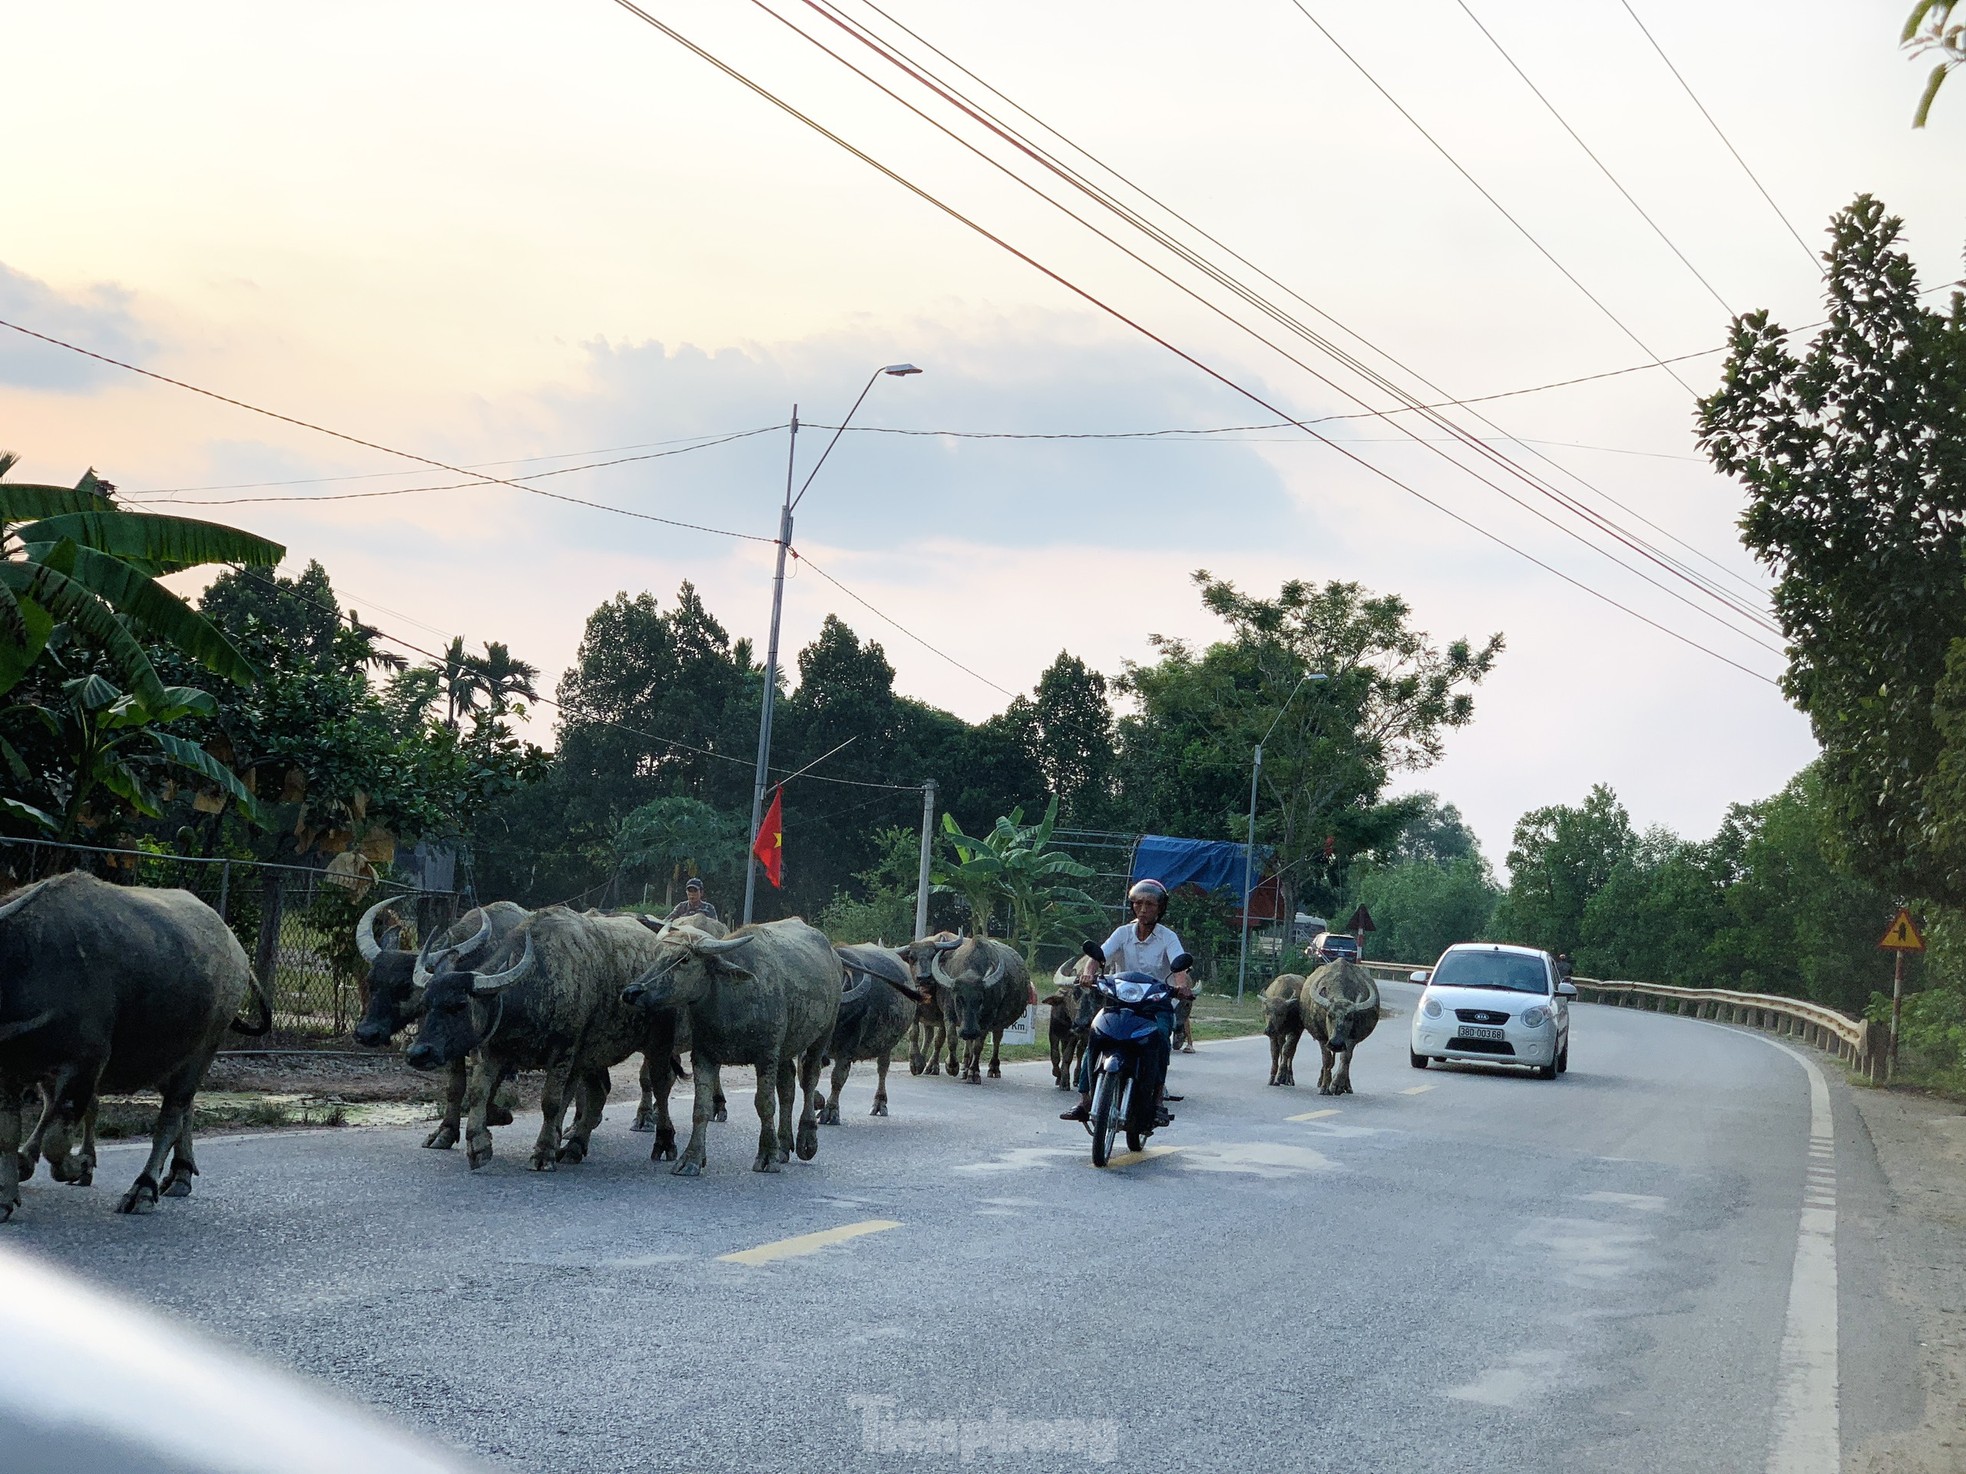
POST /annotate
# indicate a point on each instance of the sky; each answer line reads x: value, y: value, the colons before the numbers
x: 540, y: 235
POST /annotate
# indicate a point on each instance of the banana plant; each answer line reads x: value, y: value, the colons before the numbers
x: 112, y: 745
x: 72, y: 556
x: 1014, y: 865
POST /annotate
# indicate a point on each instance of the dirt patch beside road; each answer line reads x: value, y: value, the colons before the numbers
x: 1921, y: 1146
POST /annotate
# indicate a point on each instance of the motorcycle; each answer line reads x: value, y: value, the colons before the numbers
x: 1122, y: 1032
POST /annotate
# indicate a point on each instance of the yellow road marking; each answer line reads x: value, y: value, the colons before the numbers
x: 1145, y: 1154
x: 1314, y: 1115
x: 1417, y: 1090
x: 807, y: 1243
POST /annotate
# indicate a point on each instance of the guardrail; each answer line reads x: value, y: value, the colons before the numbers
x: 1859, y: 1043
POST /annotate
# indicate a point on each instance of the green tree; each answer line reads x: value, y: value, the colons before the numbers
x: 1433, y: 831
x: 1423, y: 906
x: 71, y: 555
x: 1560, y: 857
x: 1390, y: 697
x: 1016, y: 869
x: 1853, y: 455
x: 1657, y: 915
x: 1070, y: 732
x: 884, y: 909
x: 1930, y: 28
x: 674, y: 838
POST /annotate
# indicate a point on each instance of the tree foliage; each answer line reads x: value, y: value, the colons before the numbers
x: 1853, y: 454
x: 1931, y: 29
x: 1014, y: 869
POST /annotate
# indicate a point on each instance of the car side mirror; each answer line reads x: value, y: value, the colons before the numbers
x: 1566, y: 989
x: 1419, y: 977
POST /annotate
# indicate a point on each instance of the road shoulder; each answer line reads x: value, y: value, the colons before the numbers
x: 1920, y: 1227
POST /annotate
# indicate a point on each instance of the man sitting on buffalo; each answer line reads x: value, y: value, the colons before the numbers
x: 693, y: 903
x: 1140, y: 945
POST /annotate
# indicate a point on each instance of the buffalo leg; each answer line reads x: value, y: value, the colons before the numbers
x: 996, y: 1054
x: 787, y: 1086
x: 173, y: 1120
x: 1324, y: 1074
x: 590, y: 1099
x: 917, y: 1056
x: 184, y: 1164
x: 1341, y: 1079
x: 880, y: 1087
x: 552, y: 1115
x: 1276, y: 1055
x: 707, y: 1088
x: 456, y: 1081
x: 88, y: 1158
x: 662, y: 1081
x: 485, y: 1076
x: 829, y: 1104
x: 807, y: 1141
x: 13, y: 1100
x: 70, y: 1096
x: 645, y: 1112
x: 1290, y: 1042
x: 29, y: 1151
x: 771, y: 1080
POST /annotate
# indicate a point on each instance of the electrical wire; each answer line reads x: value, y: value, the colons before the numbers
x: 407, y: 455
x: 830, y: 13
x: 1814, y: 260
x: 899, y: 625
x: 177, y: 493
x: 928, y: 198
x: 1482, y: 190
x: 1591, y: 154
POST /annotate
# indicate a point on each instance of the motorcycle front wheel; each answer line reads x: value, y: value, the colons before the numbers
x: 1108, y: 1110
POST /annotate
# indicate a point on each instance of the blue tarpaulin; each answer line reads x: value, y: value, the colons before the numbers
x: 1210, y: 864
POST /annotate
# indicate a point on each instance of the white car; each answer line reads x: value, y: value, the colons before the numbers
x: 1494, y: 1004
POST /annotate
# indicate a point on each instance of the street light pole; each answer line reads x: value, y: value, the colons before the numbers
x: 1249, y: 837
x: 761, y: 778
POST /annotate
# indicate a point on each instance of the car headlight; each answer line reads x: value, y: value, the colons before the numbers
x: 1431, y: 1008
x: 1535, y: 1018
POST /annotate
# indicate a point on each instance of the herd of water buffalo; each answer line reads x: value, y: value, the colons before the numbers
x: 110, y: 989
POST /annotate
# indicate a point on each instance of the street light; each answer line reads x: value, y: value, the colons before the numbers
x: 1249, y: 839
x: 893, y: 370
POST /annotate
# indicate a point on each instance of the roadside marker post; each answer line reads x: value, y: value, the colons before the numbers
x: 1900, y: 937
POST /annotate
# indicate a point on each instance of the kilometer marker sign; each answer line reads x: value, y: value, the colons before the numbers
x: 1901, y: 935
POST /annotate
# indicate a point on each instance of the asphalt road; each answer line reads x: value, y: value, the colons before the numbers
x: 1453, y: 1269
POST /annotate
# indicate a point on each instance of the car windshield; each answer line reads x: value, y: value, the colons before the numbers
x: 1509, y: 970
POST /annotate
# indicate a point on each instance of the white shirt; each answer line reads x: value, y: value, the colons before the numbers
x: 1125, y: 952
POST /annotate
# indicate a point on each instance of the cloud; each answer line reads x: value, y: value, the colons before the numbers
x: 97, y: 317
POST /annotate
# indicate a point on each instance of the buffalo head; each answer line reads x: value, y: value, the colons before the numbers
x: 689, y: 962
x: 450, y: 1030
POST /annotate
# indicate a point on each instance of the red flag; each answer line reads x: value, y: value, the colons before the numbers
x: 769, y: 846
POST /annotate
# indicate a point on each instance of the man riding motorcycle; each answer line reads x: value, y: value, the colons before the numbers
x: 1141, y: 945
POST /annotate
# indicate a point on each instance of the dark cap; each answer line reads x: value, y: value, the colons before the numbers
x: 694, y: 884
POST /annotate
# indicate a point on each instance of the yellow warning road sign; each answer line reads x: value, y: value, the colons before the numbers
x: 1901, y: 935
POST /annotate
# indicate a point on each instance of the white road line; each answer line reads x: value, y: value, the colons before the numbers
x: 1807, y: 1436
x: 1417, y: 1090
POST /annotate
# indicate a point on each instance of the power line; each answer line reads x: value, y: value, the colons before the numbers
x: 1161, y: 237
x: 407, y: 455
x: 1637, y: 544
x: 899, y: 626
x: 703, y: 442
x: 1814, y: 260
x: 1482, y: 190
x: 1220, y: 377
x: 1591, y: 154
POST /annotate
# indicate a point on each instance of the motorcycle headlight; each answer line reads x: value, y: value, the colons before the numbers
x: 1130, y: 992
x: 1535, y: 1018
x: 1431, y: 1008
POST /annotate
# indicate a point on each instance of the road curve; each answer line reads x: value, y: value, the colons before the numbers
x: 1633, y: 1268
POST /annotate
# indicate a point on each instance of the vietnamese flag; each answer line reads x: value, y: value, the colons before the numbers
x: 769, y: 846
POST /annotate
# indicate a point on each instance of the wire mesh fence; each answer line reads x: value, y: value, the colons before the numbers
x: 295, y: 922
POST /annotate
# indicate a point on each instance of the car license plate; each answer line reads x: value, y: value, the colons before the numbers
x: 1480, y: 1031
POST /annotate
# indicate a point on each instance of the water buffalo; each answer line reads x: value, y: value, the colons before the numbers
x: 878, y: 1005
x: 1283, y: 1014
x: 989, y: 988
x: 931, y: 1027
x: 767, y: 996
x: 397, y: 982
x: 1072, y: 1008
x: 111, y: 988
x: 647, y: 1117
x: 549, y: 998
x: 1341, y: 1009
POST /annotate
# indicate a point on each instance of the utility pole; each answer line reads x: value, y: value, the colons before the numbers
x: 771, y: 677
x: 1248, y: 862
x: 928, y: 845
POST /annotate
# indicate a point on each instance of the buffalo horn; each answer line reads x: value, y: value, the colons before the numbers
x: 366, y: 941
x: 486, y: 983
x: 465, y: 950
x: 941, y: 974
x: 708, y: 946
x: 998, y: 969
x: 19, y: 901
